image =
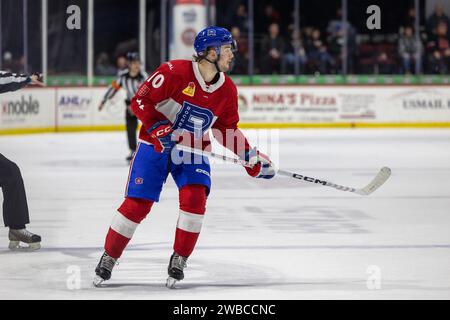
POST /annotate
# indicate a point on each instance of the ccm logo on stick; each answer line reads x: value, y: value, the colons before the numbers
x: 309, y: 179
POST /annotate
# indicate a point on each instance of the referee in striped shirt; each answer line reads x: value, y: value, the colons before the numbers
x: 15, y: 207
x: 14, y: 81
x: 130, y: 79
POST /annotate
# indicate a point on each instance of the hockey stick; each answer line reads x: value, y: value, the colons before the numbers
x: 373, y: 185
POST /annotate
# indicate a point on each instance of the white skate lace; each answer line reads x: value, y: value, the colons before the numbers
x: 179, y: 262
x: 108, y: 263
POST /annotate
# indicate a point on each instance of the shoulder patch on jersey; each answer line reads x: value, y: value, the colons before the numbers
x: 190, y: 89
x: 143, y: 90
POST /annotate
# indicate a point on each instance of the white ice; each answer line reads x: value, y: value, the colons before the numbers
x: 274, y: 239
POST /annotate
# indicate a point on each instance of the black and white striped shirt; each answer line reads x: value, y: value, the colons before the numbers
x: 12, y: 81
x: 130, y: 84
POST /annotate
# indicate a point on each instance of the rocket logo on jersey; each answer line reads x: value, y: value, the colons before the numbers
x: 194, y: 119
x: 190, y: 89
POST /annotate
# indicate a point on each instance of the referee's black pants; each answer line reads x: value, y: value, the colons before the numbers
x: 131, y: 123
x: 15, y: 208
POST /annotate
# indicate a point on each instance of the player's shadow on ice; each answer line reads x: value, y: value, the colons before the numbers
x: 181, y: 286
x: 353, y: 285
x: 291, y: 285
x: 287, y: 285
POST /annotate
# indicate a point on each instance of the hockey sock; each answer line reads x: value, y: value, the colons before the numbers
x: 125, y: 221
x: 192, y: 210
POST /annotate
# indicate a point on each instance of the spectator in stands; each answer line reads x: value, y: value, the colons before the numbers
x: 319, y: 60
x: 293, y: 51
x: 438, y: 48
x: 409, y: 49
x: 270, y: 16
x: 410, y: 19
x: 13, y: 65
x: 437, y: 17
x: 307, y: 32
x: 7, y: 64
x: 22, y: 64
x: 336, y: 43
x: 121, y: 63
x: 335, y: 39
x: 383, y: 64
x: 272, y: 47
x: 241, y: 55
x: 240, y: 18
x: 103, y: 67
x: 335, y: 24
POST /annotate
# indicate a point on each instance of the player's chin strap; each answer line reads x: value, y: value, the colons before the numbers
x: 214, y: 62
x: 217, y: 65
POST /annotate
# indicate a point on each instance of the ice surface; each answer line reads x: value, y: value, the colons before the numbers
x: 275, y: 239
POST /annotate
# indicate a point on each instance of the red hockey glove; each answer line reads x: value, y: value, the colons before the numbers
x: 161, y: 136
x: 261, y: 166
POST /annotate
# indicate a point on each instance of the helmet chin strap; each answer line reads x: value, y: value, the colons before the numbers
x: 214, y: 63
x: 217, y: 50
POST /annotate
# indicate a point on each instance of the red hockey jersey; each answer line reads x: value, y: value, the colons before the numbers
x: 176, y: 91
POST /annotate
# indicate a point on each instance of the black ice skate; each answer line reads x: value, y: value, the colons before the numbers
x: 104, y: 269
x: 16, y: 236
x: 175, y: 269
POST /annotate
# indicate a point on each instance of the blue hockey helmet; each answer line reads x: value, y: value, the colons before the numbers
x: 213, y: 37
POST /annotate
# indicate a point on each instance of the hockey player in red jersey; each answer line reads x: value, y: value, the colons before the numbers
x: 179, y: 103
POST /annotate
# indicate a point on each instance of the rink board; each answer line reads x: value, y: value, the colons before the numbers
x: 76, y: 109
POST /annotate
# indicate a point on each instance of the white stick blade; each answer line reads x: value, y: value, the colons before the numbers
x: 377, y: 182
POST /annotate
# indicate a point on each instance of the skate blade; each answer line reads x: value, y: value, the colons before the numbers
x: 97, y: 281
x: 15, y: 246
x: 170, y: 283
